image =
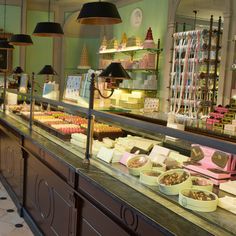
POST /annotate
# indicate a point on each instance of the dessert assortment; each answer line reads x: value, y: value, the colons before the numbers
x: 145, y: 61
x: 146, y: 159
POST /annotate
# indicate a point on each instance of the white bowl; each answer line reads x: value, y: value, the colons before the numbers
x: 205, y: 184
x: 140, y: 162
x: 158, y: 167
x: 149, y: 177
x: 197, y: 205
x: 175, y: 188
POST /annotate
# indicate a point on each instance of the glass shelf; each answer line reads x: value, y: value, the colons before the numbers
x: 130, y: 50
x: 138, y: 89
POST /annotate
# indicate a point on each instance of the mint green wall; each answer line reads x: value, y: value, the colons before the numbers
x: 155, y: 15
x: 73, y: 49
x: 41, y: 52
x: 12, y: 26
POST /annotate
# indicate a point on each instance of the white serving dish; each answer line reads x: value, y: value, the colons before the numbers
x: 206, y: 184
x: 145, y: 164
x: 174, y: 189
x: 147, y: 177
x: 158, y: 167
x: 197, y: 205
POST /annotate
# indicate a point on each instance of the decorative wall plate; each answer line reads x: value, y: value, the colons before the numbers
x: 136, y: 17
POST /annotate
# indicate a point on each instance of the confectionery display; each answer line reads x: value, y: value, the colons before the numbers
x: 102, y: 130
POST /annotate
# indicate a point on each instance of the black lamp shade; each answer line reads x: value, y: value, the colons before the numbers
x: 20, y: 40
x: 116, y: 71
x: 47, y: 70
x: 48, y: 29
x: 99, y: 13
x: 18, y: 70
x: 4, y: 44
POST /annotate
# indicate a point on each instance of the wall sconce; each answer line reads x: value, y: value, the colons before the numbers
x: 113, y: 74
x: 48, y: 71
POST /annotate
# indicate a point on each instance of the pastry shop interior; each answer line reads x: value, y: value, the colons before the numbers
x: 119, y: 117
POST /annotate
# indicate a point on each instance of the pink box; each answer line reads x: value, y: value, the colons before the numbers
x: 124, y: 159
x: 212, y: 162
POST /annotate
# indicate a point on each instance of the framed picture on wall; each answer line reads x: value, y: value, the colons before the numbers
x: 5, y: 56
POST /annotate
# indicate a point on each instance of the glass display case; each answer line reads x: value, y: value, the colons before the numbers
x: 187, y: 168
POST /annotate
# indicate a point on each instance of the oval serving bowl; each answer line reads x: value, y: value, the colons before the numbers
x: 149, y: 177
x: 138, y: 163
x: 173, y: 181
x: 187, y: 200
x: 201, y: 183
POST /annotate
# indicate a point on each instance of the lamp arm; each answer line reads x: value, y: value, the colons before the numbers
x: 112, y: 91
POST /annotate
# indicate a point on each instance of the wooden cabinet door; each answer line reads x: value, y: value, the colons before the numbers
x: 12, y: 164
x: 93, y: 222
x: 49, y: 200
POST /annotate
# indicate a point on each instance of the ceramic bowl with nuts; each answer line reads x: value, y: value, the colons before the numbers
x: 198, y: 200
x: 138, y: 163
x: 149, y: 177
x: 202, y: 183
x: 173, y: 181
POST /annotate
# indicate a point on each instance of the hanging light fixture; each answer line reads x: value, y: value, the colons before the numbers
x: 99, y: 13
x: 48, y: 29
x: 4, y: 44
x: 21, y: 39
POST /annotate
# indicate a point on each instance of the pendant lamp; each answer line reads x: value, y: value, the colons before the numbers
x: 48, y: 29
x: 21, y: 39
x: 99, y: 13
x: 4, y: 44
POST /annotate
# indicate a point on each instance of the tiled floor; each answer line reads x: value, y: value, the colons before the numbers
x: 11, y: 224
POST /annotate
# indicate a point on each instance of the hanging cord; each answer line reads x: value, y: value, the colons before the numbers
x: 49, y: 8
x: 4, y: 25
x: 21, y: 19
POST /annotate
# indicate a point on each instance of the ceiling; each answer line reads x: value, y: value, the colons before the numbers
x: 204, y: 8
x: 65, y: 1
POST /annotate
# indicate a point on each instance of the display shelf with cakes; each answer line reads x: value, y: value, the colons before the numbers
x: 138, y: 56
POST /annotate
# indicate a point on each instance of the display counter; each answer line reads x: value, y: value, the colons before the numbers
x: 52, y: 184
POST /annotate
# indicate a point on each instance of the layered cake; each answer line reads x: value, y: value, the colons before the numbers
x: 134, y: 41
x: 149, y: 42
